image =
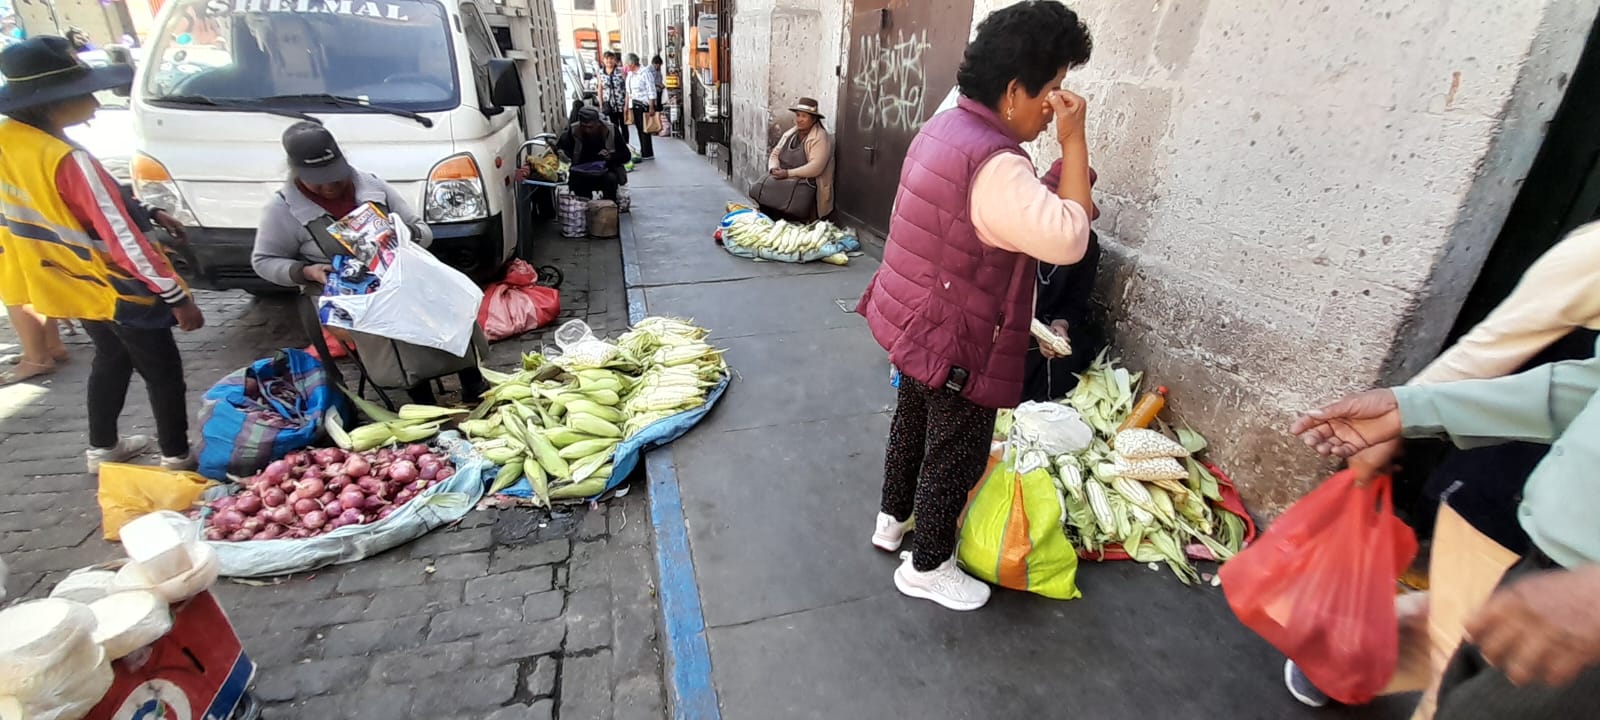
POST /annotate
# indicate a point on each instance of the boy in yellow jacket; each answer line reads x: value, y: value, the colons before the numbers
x: 71, y: 247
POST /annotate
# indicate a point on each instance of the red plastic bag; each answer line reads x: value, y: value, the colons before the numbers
x: 516, y: 304
x: 1319, y: 585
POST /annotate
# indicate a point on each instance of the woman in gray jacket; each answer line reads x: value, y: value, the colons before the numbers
x: 293, y: 250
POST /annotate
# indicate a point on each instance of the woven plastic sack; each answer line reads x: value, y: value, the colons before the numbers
x: 1011, y: 532
x: 262, y: 412
x: 517, y: 304
x: 1319, y: 585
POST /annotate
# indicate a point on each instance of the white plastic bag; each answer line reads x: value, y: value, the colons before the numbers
x: 419, y: 300
x: 1051, y: 428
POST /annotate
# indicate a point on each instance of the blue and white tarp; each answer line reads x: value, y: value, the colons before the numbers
x: 626, y: 457
x: 845, y: 244
x: 440, y: 504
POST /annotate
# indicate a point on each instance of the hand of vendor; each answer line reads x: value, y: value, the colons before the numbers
x: 1059, y: 328
x: 780, y: 173
x: 179, y: 233
x: 522, y: 173
x: 317, y: 273
x: 189, y: 316
x: 1351, y: 424
x: 1543, y: 629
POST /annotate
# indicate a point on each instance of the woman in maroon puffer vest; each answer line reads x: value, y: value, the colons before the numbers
x: 954, y: 297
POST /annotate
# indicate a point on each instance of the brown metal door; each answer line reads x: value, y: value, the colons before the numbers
x: 903, y: 60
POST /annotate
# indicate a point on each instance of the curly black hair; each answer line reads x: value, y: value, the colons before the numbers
x: 1028, y: 42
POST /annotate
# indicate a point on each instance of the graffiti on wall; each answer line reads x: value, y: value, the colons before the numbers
x: 892, y: 81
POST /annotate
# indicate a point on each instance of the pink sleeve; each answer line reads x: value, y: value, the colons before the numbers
x: 1012, y: 210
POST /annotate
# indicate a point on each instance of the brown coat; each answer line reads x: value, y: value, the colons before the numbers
x: 819, y: 164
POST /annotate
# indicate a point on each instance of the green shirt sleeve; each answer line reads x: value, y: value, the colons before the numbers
x: 1554, y: 404
x: 1534, y: 406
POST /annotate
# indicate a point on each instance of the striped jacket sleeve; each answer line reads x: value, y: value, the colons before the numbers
x: 96, y: 200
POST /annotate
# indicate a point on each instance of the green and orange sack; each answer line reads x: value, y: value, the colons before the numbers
x: 1011, y: 532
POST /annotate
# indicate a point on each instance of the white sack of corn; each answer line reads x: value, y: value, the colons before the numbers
x: 1051, y: 428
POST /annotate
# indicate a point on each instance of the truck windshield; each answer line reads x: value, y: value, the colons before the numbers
x: 389, y: 53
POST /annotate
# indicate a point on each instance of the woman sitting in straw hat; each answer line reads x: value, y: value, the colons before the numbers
x: 805, y: 152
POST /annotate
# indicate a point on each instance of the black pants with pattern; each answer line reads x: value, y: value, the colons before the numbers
x: 938, y: 449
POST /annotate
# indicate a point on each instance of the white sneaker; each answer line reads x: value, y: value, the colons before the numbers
x: 185, y: 462
x: 946, y: 585
x: 126, y: 449
x: 890, y: 532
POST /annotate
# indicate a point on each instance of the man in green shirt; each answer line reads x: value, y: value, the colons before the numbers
x: 1534, y: 647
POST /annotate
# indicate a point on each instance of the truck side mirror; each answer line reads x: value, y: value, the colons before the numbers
x: 505, y: 85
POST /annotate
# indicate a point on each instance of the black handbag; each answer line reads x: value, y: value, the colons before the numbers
x: 792, y: 197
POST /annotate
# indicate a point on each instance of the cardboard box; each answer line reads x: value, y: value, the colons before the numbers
x: 199, y: 671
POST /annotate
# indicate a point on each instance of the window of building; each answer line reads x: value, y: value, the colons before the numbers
x: 583, y: 5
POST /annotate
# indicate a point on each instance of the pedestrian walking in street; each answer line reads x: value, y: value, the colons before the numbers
x: 614, y: 94
x: 293, y: 248
x: 1533, y: 647
x: 802, y: 157
x: 659, y: 75
x: 952, y: 301
x: 74, y: 249
x: 1552, y: 315
x: 642, y: 97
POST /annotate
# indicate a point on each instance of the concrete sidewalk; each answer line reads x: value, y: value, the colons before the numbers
x: 779, y: 488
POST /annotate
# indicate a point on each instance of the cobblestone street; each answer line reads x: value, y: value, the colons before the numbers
x: 511, y: 613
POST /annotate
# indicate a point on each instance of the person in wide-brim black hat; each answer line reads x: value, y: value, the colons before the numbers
x: 45, y: 70
x: 74, y: 246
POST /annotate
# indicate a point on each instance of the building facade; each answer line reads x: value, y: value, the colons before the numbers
x: 587, y: 28
x: 1298, y: 199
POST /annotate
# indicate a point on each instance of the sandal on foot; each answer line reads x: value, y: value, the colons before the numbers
x: 25, y: 370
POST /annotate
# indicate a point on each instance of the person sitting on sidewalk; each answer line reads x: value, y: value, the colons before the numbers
x: 74, y: 249
x: 804, y: 152
x: 598, y: 154
x: 952, y: 301
x: 293, y: 248
x: 1533, y: 648
x: 1551, y: 315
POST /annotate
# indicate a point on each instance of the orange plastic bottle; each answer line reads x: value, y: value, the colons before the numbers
x: 1145, y: 411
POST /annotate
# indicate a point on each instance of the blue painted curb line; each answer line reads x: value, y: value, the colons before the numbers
x: 690, y: 690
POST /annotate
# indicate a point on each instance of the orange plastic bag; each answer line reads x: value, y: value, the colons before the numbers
x: 1319, y: 585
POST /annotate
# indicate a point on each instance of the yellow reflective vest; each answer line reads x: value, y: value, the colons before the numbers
x: 54, y: 260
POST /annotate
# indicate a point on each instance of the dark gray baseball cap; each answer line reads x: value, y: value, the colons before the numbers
x: 314, y: 156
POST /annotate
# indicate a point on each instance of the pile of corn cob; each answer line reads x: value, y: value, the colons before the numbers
x: 413, y: 423
x: 783, y: 238
x: 1141, y: 490
x: 559, y: 426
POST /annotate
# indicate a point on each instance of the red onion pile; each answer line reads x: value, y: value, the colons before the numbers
x: 312, y: 492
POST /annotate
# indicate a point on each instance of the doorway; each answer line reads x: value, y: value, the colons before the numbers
x: 903, y: 58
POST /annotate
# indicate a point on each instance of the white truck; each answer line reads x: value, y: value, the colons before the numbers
x: 418, y: 92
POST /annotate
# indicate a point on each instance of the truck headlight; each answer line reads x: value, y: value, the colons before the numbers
x: 455, y: 191
x: 154, y: 185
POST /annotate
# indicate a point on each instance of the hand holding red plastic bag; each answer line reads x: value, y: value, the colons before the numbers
x: 1319, y: 585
